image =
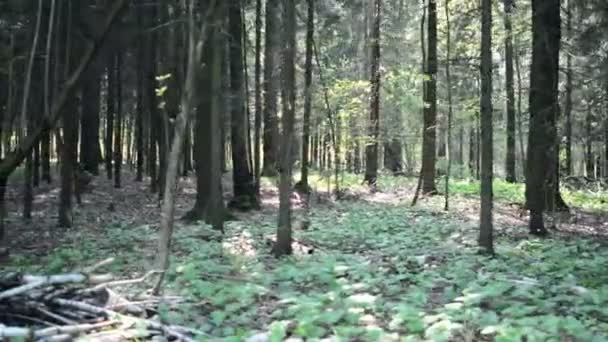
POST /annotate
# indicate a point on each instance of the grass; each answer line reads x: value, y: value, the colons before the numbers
x: 379, y: 272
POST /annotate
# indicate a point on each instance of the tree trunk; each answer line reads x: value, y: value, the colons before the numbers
x: 187, y: 104
x: 371, y: 150
x: 90, y: 150
x: 271, y: 129
x: 258, y: 95
x: 310, y: 31
x: 510, y: 158
x: 139, y: 119
x: 543, y: 107
x: 430, y: 104
x: 448, y: 77
x: 110, y: 112
x: 486, y: 241
x: 118, y: 148
x: 569, y: 88
x: 150, y: 84
x: 244, y: 185
x: 589, y: 167
x: 284, y: 239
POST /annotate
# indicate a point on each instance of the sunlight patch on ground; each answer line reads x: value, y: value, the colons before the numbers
x: 241, y: 245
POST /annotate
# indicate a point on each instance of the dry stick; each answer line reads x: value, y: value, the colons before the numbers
x: 113, y: 314
x: 33, y: 282
x: 55, y: 316
x: 52, y: 331
x: 127, y: 281
x: 332, y: 127
x: 187, y: 103
x: 16, y: 157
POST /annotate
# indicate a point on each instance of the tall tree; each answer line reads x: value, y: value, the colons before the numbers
x: 258, y: 94
x: 487, y: 145
x: 118, y: 143
x: 271, y: 128
x: 244, y: 189
x: 429, y: 136
x: 544, y: 77
x: 283, y: 243
x: 90, y: 150
x: 371, y: 151
x: 510, y: 88
x: 569, y: 88
x: 310, y: 31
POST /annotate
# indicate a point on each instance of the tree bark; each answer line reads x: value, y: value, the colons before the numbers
x: 543, y: 108
x: 430, y: 104
x: 371, y: 150
x: 283, y: 244
x: 310, y: 31
x: 110, y: 113
x: 258, y: 95
x: 244, y: 188
x: 510, y: 89
x: 118, y: 145
x: 486, y: 240
x: 569, y: 88
x: 271, y: 128
x: 90, y: 149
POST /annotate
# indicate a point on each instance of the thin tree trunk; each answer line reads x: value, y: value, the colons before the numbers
x: 187, y: 104
x: 310, y: 31
x: 118, y: 146
x: 430, y: 104
x: 486, y: 241
x: 371, y: 150
x: 510, y: 158
x: 569, y: 88
x: 110, y: 112
x: 258, y: 94
x: 448, y: 77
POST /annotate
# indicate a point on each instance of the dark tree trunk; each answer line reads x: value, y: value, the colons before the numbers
x: 589, y: 167
x: 472, y: 151
x: 257, y: 161
x: 543, y: 108
x: 118, y: 148
x: 371, y: 150
x: 510, y: 158
x: 139, y: 120
x: 154, y: 117
x: 429, y: 136
x: 284, y: 233
x: 486, y: 240
x: 203, y: 135
x: 68, y: 163
x: 271, y: 128
x: 90, y: 150
x: 110, y: 112
x: 244, y: 185
x: 310, y: 31
x: 569, y: 88
x: 45, y: 154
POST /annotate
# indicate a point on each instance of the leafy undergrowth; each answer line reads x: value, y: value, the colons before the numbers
x: 364, y: 271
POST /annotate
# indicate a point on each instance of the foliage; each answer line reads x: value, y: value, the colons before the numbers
x: 379, y: 271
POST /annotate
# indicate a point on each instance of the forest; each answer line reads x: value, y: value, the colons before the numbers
x: 303, y: 170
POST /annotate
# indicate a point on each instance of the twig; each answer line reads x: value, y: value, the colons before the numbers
x: 55, y: 316
x: 98, y: 265
x: 127, y: 281
x: 32, y: 282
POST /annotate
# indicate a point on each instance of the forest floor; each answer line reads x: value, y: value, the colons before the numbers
x: 367, y: 268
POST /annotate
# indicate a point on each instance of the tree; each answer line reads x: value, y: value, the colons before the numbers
x: 371, y: 150
x: 429, y: 135
x: 510, y: 88
x: 258, y: 94
x: 271, y: 129
x: 487, y: 145
x: 187, y: 105
x: 310, y: 31
x: 244, y: 188
x: 283, y: 244
x: 544, y: 77
x: 118, y: 143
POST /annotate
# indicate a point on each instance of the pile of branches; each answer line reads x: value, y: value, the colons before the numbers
x: 81, y: 306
